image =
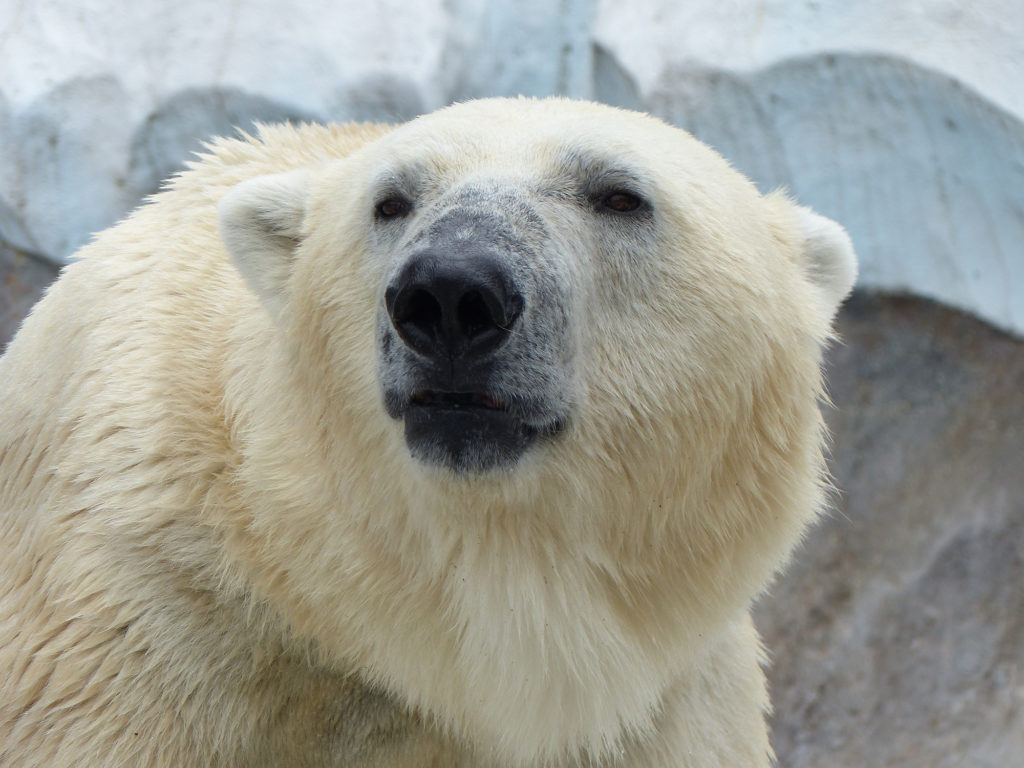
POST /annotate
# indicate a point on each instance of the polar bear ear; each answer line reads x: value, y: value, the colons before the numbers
x: 829, y: 258
x: 261, y: 225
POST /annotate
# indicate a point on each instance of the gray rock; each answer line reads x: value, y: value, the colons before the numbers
x: 23, y: 277
x: 176, y: 130
x: 897, y: 633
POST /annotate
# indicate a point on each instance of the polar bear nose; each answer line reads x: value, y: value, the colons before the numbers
x: 449, y: 306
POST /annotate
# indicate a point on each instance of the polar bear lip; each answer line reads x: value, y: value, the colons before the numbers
x: 437, y: 399
x: 467, y: 433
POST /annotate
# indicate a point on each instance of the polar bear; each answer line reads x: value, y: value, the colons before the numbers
x: 466, y: 442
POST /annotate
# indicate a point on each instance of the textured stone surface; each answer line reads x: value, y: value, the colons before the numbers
x: 902, y: 119
x: 22, y: 280
x: 898, y: 631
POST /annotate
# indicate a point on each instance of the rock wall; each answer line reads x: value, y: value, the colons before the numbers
x: 897, y: 634
x: 23, y: 277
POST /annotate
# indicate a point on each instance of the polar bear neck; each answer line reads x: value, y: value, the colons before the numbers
x: 522, y: 645
x: 528, y: 613
x: 531, y: 635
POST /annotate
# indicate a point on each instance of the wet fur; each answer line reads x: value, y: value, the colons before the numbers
x: 215, y: 549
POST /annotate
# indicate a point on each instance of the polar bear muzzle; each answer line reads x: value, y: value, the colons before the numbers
x: 469, y: 325
x: 455, y: 308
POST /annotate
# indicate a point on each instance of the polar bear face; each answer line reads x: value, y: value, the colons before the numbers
x: 547, y: 373
x: 534, y: 274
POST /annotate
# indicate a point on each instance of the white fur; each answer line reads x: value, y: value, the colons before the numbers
x: 832, y: 264
x: 216, y: 549
x: 260, y: 223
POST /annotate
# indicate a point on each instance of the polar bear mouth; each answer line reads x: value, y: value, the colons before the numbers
x: 457, y: 400
x: 468, y: 432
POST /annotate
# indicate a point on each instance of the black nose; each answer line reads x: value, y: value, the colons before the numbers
x: 448, y: 306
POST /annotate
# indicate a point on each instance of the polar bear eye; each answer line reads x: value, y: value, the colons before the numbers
x: 393, y: 208
x: 620, y: 201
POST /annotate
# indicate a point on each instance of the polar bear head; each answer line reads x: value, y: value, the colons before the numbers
x: 530, y: 273
x: 535, y: 386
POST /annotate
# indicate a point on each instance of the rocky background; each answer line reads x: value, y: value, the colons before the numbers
x: 898, y: 632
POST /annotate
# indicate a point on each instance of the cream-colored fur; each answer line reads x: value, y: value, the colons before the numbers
x: 216, y: 550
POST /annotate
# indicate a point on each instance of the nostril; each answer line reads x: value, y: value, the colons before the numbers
x: 474, y: 316
x: 482, y: 319
x: 419, y: 307
x: 417, y: 316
